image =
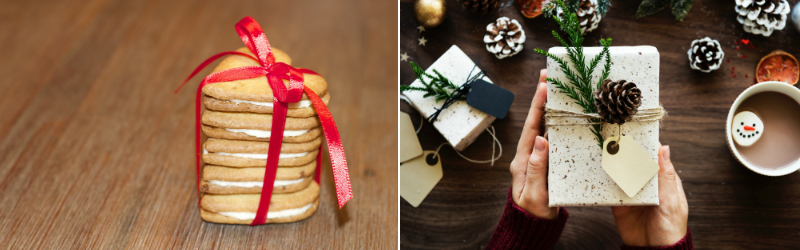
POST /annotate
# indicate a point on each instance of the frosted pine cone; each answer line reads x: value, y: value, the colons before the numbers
x: 705, y: 55
x: 617, y: 101
x: 761, y: 17
x: 588, y: 17
x: 504, y: 37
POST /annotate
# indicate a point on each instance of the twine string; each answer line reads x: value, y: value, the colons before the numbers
x: 561, y: 117
x: 495, y: 142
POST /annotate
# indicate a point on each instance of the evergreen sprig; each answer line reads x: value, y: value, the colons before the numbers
x: 580, y: 86
x: 572, y: 5
x: 680, y: 8
x: 439, y: 86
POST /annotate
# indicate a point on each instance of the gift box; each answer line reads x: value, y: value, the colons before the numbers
x: 576, y: 177
x: 459, y: 123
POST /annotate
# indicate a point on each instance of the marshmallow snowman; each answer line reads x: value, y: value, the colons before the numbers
x: 747, y: 128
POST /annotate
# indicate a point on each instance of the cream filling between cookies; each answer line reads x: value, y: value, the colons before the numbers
x: 270, y: 215
x: 266, y: 133
x: 293, y: 105
x: 249, y: 184
x: 262, y: 156
x: 258, y: 156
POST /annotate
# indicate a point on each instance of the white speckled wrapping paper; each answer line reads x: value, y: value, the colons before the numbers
x: 576, y: 177
x: 460, y: 123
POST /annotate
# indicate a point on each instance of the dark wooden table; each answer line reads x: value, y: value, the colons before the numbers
x: 730, y: 206
x: 97, y: 153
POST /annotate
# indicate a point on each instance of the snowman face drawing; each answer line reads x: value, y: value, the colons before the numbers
x: 747, y: 128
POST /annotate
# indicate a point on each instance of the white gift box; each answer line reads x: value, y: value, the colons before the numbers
x: 576, y: 177
x: 460, y: 123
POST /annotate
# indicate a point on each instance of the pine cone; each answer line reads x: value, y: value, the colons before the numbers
x: 705, y: 55
x: 761, y: 17
x: 480, y: 6
x: 588, y: 17
x: 504, y: 37
x: 617, y: 101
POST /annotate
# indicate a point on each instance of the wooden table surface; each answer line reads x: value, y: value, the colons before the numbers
x: 730, y: 206
x: 97, y: 153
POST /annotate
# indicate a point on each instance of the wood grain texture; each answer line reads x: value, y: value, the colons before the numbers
x: 730, y: 207
x: 97, y: 153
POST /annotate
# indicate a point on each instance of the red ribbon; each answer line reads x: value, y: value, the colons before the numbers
x: 255, y: 40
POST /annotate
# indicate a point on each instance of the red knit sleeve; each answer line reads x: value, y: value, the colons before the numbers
x: 683, y: 244
x: 519, y: 229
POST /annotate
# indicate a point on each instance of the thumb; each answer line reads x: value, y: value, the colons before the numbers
x: 536, y: 174
x: 667, y: 178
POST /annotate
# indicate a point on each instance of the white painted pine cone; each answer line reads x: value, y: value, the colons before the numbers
x: 705, y: 55
x: 762, y: 17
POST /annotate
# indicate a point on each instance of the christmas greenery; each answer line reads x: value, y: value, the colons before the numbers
x: 679, y: 8
x: 572, y: 6
x: 580, y: 86
x: 439, y: 86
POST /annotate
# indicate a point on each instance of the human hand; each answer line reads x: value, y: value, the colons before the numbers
x: 529, y: 167
x: 661, y: 225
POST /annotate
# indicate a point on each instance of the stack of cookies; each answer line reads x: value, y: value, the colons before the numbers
x: 237, y: 122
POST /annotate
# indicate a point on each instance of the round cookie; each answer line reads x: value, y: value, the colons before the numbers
x: 218, y: 218
x: 257, y: 147
x: 212, y: 187
x: 213, y: 175
x: 235, y: 120
x: 222, y: 133
x: 255, y: 89
x: 747, y: 128
x: 244, y: 162
x: 306, y: 109
x: 215, y: 206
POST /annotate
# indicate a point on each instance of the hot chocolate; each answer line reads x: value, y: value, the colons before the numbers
x: 779, y: 145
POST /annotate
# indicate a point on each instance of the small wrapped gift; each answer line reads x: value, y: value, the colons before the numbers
x: 459, y: 123
x: 576, y: 177
x: 265, y: 121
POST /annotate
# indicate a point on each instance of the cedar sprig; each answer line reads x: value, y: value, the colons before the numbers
x: 438, y: 86
x: 580, y: 86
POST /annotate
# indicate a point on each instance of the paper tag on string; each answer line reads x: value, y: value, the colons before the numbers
x: 490, y: 98
x: 418, y: 177
x: 409, y: 142
x: 628, y: 164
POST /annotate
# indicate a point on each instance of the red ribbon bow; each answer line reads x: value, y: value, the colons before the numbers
x: 255, y: 39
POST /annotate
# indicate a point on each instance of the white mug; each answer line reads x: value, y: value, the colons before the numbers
x: 779, y: 87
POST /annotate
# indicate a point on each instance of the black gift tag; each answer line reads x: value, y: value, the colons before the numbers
x: 490, y: 98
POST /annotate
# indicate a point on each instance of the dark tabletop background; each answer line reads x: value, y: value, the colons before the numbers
x: 97, y: 153
x: 730, y: 206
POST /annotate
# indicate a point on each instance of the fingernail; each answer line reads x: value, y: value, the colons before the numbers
x: 538, y: 145
x: 666, y: 153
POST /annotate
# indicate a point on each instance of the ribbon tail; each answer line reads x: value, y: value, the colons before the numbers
x: 338, y: 161
x: 279, y: 111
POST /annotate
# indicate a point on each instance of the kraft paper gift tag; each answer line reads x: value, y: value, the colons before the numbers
x: 417, y: 177
x: 409, y: 142
x: 630, y: 166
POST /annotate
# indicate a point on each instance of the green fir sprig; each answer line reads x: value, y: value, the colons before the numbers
x: 680, y: 8
x: 572, y: 6
x: 438, y: 86
x: 580, y: 86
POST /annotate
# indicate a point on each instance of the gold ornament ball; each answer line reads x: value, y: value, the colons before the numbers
x: 430, y: 13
